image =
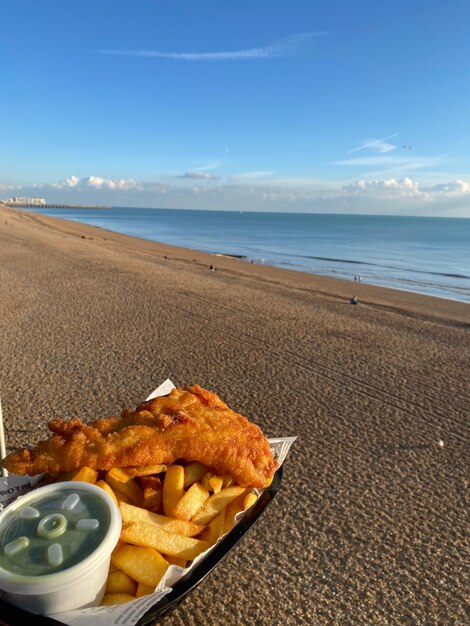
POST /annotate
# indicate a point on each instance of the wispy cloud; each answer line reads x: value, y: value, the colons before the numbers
x: 251, y: 176
x: 379, y: 145
x: 199, y: 175
x: 209, y: 166
x: 392, y: 165
x: 285, y: 47
x: 393, y: 160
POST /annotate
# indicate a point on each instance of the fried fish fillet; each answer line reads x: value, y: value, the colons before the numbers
x: 191, y: 423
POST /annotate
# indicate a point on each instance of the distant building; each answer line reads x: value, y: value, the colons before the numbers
x: 25, y: 201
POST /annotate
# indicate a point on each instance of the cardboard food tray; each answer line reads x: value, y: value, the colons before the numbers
x: 14, y: 616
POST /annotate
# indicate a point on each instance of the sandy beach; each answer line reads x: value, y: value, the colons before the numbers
x: 370, y: 524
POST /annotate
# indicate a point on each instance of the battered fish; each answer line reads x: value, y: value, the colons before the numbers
x: 190, y: 423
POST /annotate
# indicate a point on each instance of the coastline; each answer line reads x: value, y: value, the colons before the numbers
x: 335, y: 287
x: 354, y: 244
x: 369, y: 525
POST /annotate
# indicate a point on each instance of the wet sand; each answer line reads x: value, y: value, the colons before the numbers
x: 369, y: 525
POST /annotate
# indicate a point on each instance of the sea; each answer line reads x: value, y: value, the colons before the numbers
x: 426, y: 255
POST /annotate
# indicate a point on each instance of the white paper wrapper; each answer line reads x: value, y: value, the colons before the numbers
x: 127, y: 614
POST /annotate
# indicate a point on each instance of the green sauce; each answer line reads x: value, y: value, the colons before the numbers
x: 52, y: 533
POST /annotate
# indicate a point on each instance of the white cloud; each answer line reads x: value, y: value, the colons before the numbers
x: 456, y: 187
x: 199, y: 175
x: 394, y: 191
x: 390, y: 195
x: 288, y: 46
x: 80, y: 184
x: 404, y: 185
x: 71, y: 181
x: 106, y: 183
x: 378, y: 145
x: 383, y: 146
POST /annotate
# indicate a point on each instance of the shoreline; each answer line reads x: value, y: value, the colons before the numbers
x: 371, y: 517
x: 377, y: 274
x: 337, y: 287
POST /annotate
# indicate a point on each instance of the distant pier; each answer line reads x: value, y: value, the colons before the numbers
x: 33, y: 205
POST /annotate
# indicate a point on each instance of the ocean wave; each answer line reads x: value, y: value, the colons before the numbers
x: 384, y: 279
x: 372, y: 264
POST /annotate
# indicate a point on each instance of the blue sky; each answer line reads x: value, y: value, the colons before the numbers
x: 337, y: 106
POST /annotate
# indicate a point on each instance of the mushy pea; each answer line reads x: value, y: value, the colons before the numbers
x: 52, y: 533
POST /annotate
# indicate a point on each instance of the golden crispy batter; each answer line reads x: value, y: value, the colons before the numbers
x: 191, y: 424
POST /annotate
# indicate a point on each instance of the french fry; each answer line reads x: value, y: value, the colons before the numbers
x: 118, y: 474
x: 121, y: 497
x: 216, y: 528
x: 144, y: 590
x: 174, y: 560
x: 205, y: 481
x: 268, y: 482
x: 152, y: 488
x: 216, y: 483
x: 236, y: 506
x: 143, y: 564
x: 241, y: 503
x: 132, y: 513
x: 227, y: 481
x: 116, y: 598
x: 86, y: 475
x: 152, y: 499
x: 104, y: 485
x: 146, y: 470
x: 249, y: 500
x: 191, y: 502
x: 119, y: 582
x: 143, y: 534
x: 193, y: 472
x: 212, y: 482
x: 129, y: 488
x: 173, y: 488
x: 215, y: 504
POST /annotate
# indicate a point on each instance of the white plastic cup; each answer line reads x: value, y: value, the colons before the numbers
x: 79, y: 586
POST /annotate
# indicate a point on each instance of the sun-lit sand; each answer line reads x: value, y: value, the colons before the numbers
x: 369, y: 525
